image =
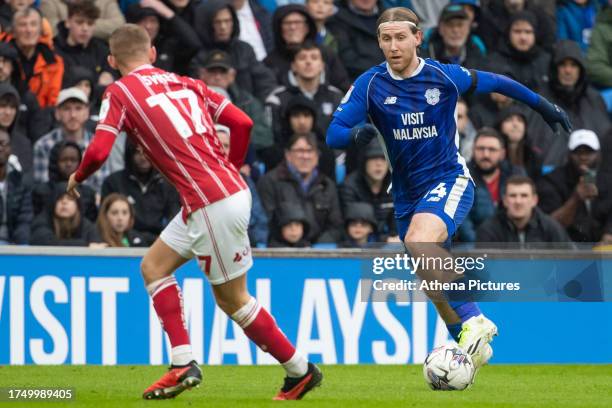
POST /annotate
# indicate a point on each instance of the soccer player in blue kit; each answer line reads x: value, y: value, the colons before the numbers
x: 411, y: 102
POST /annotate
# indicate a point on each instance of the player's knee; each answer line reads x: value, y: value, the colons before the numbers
x: 147, y: 269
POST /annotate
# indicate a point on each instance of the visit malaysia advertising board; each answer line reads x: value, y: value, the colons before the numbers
x: 95, y: 310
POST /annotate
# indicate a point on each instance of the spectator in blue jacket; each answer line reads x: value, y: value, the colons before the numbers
x: 575, y: 20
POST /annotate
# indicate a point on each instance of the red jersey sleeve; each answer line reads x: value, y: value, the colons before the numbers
x: 111, y: 118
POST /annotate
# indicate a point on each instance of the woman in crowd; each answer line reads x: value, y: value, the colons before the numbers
x: 115, y: 222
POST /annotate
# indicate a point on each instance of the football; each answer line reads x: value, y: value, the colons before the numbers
x: 448, y: 368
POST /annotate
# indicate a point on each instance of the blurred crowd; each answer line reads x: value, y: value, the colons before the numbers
x: 288, y: 63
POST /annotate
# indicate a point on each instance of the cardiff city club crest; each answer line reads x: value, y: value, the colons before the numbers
x: 433, y: 96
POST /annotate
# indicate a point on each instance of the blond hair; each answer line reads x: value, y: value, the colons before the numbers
x: 399, y: 14
x: 130, y: 42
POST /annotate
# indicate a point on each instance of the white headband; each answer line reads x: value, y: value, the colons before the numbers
x: 387, y: 23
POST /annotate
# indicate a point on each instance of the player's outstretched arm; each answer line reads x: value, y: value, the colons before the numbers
x: 348, y: 121
x: 487, y: 82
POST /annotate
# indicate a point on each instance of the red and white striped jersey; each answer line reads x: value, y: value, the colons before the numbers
x: 172, y: 118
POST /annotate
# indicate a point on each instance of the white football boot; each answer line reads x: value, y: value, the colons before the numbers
x: 476, y: 334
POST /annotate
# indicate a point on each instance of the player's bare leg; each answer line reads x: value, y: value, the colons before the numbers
x: 157, y: 268
x: 468, y: 326
x: 234, y: 299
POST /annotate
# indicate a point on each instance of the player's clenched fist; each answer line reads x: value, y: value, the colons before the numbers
x: 364, y: 134
x: 72, y: 186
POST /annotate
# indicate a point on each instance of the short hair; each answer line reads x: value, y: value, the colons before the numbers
x: 489, y: 132
x: 26, y: 12
x: 520, y: 180
x: 85, y: 8
x: 306, y: 46
x: 310, y: 138
x: 129, y: 42
x: 398, y: 14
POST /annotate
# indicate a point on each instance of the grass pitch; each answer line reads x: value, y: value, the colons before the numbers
x: 343, y: 386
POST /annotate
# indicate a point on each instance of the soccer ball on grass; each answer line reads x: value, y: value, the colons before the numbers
x: 448, y: 368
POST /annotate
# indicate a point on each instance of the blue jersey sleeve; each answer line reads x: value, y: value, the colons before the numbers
x: 461, y: 77
x: 352, y: 111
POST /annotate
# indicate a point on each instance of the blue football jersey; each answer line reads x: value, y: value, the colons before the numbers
x: 417, y: 121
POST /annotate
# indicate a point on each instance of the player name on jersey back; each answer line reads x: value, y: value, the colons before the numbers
x: 414, y: 132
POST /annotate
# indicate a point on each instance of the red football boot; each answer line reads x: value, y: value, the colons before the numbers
x: 175, y: 381
x: 296, y: 388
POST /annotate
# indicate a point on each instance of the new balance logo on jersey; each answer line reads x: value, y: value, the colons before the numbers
x: 390, y: 100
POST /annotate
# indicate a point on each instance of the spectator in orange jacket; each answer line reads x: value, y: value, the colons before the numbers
x: 39, y: 66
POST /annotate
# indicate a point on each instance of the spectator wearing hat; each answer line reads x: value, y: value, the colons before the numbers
x: 293, y: 26
x: 21, y: 146
x: 569, y: 88
x: 291, y: 228
x: 258, y: 223
x: 255, y: 26
x: 76, y: 44
x: 174, y: 39
x: 520, y: 151
x: 32, y: 121
x: 526, y: 61
x: 354, y: 26
x: 15, y: 198
x: 451, y: 41
x: 298, y: 181
x: 39, y: 66
x: 368, y: 184
x: 218, y: 28
x: 577, y: 194
x: 360, y: 225
x: 72, y: 113
x: 110, y: 18
x: 217, y: 70
x: 306, y: 78
x: 64, y: 159
x: 498, y: 16
x: 520, y: 220
x: 155, y: 201
x: 575, y: 21
x: 489, y: 169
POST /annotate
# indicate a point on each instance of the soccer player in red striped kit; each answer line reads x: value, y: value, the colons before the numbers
x: 172, y: 118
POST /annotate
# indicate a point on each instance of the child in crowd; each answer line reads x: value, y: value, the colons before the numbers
x: 115, y: 222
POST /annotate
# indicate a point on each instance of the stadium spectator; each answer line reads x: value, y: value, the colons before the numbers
x: 569, y: 88
x: 110, y: 19
x: 519, y: 53
x: 577, y: 194
x: 452, y: 42
x: 32, y: 121
x: 217, y: 70
x: 475, y: 15
x: 174, y: 39
x: 512, y: 124
x: 292, y: 227
x: 427, y: 10
x: 155, y: 201
x: 321, y: 11
x: 306, y: 78
x: 466, y: 129
x: 64, y: 159
x: 368, y: 184
x: 298, y: 181
x: 15, y: 198
x: 217, y: 26
x: 498, y: 16
x: 255, y: 26
x: 599, y: 57
x: 63, y: 225
x: 489, y: 170
x: 72, y: 113
x: 575, y: 20
x: 21, y: 146
x: 354, y: 26
x: 75, y: 43
x: 258, y: 223
x: 360, y: 225
x: 186, y: 9
x: 38, y: 65
x: 9, y: 7
x: 520, y: 220
x: 293, y: 26
x: 116, y: 221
